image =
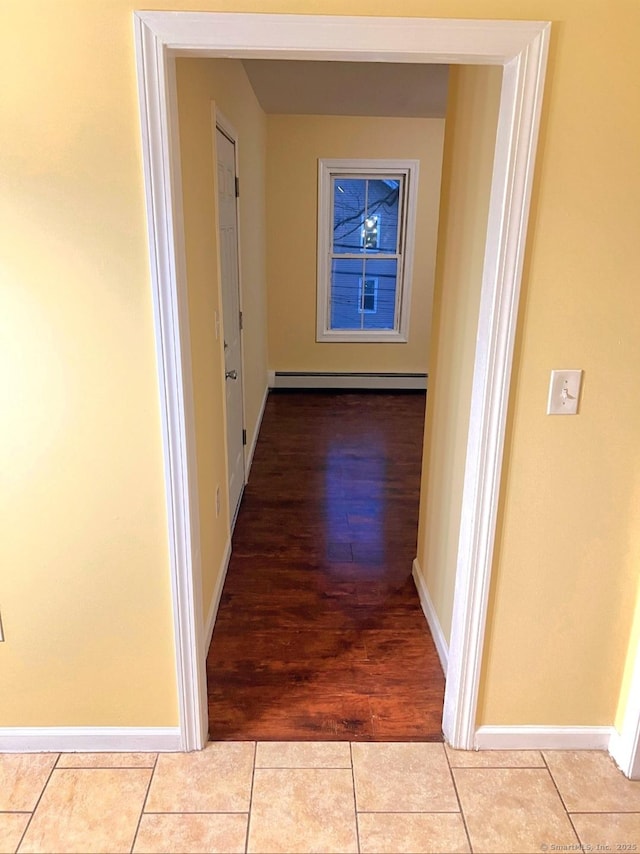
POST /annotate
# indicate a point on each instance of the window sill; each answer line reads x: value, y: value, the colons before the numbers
x: 348, y: 336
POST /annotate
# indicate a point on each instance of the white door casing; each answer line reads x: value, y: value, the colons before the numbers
x: 520, y: 48
x: 230, y: 286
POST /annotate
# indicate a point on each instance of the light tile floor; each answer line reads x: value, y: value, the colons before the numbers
x: 317, y: 797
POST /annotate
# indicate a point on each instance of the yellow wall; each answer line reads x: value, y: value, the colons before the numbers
x: 568, y: 550
x: 295, y: 143
x: 84, y: 584
x: 629, y: 668
x: 201, y: 81
x: 472, y: 111
x: 84, y: 572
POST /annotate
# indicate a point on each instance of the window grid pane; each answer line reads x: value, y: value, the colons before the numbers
x: 363, y: 293
x: 366, y: 214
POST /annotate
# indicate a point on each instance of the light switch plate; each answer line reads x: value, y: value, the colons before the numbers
x: 564, y: 392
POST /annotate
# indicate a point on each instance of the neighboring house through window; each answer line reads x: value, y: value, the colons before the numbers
x: 366, y: 227
x: 368, y: 295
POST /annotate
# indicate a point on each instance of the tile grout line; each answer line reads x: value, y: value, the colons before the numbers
x: 355, y: 803
x: 497, y: 767
x: 144, y: 803
x: 253, y: 777
x: 104, y: 768
x: 33, y: 811
x: 89, y: 768
x: 455, y: 789
x: 564, y: 806
x: 603, y: 812
x: 196, y: 812
x: 303, y: 767
x: 411, y: 812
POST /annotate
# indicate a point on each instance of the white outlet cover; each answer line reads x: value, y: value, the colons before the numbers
x: 564, y: 392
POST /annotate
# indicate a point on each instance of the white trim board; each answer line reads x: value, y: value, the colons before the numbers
x: 89, y: 739
x: 390, y: 382
x: 542, y: 738
x: 159, y: 126
x: 429, y: 611
x: 520, y: 49
x: 625, y: 745
x: 251, y: 447
x: 215, y: 598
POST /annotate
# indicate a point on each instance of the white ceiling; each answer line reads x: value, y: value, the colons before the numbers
x: 349, y: 88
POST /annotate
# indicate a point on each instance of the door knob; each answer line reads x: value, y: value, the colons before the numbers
x: 231, y: 375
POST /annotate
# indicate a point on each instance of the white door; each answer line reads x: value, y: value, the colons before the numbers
x: 226, y: 156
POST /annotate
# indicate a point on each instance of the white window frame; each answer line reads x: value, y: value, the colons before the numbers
x: 362, y: 168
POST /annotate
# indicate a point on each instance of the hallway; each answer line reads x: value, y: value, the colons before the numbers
x: 320, y: 634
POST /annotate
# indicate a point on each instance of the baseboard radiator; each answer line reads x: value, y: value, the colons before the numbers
x: 390, y: 382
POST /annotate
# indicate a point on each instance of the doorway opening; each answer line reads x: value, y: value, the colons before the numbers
x: 352, y: 541
x: 520, y: 49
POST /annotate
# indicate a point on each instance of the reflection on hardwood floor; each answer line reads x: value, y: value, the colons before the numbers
x: 320, y: 634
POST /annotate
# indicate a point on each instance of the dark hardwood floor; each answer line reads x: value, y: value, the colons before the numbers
x: 320, y: 634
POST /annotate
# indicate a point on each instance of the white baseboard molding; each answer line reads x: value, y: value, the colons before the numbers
x: 215, y: 599
x: 271, y: 379
x: 89, y: 739
x: 543, y: 737
x: 432, y: 618
x: 620, y: 753
x: 625, y: 745
x: 623, y: 748
x: 251, y: 448
x: 389, y: 382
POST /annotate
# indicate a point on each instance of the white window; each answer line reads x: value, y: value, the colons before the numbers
x: 366, y: 228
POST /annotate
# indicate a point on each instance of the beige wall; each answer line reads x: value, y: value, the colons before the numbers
x: 630, y: 665
x: 472, y: 112
x: 295, y: 143
x: 568, y: 548
x: 84, y: 582
x: 201, y: 81
x: 84, y: 569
